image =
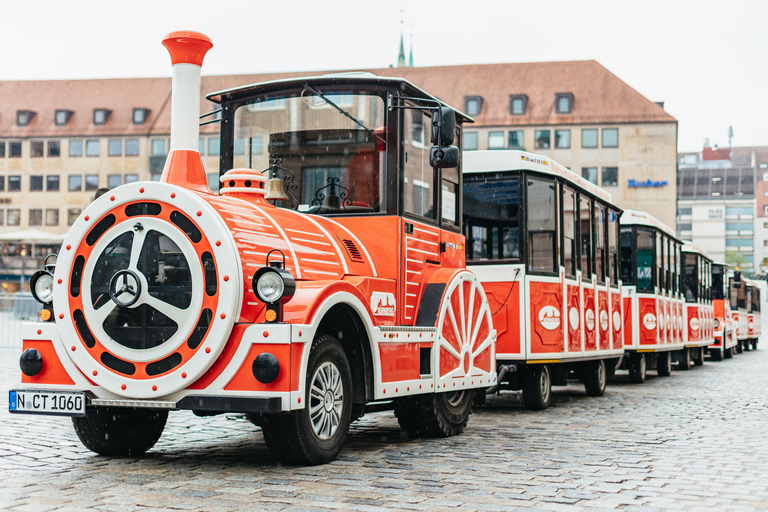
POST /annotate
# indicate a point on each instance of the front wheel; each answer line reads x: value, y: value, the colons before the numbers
x: 684, y: 359
x: 537, y: 392
x: 637, y: 367
x: 121, y: 432
x: 754, y: 344
x: 728, y: 353
x: 595, y: 378
x: 316, y: 433
x: 435, y: 415
x: 699, y: 359
x: 717, y: 354
x: 664, y: 364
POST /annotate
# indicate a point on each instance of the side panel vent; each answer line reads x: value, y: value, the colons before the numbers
x: 352, y: 250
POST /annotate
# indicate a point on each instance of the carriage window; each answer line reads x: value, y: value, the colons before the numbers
x: 613, y: 256
x: 756, y: 300
x: 491, y: 217
x: 678, y: 266
x: 667, y: 257
x: 749, y: 299
x: 542, y: 225
x: 717, y: 282
x: 644, y: 260
x: 733, y: 294
x: 660, y: 261
x: 419, y: 186
x: 449, y: 204
x: 673, y: 265
x: 690, y: 277
x: 741, y: 295
x: 625, y: 241
x: 569, y: 231
x: 600, y: 242
x: 329, y: 163
x: 585, y: 231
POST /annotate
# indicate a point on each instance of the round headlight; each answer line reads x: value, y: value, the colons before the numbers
x: 42, y: 286
x: 270, y: 287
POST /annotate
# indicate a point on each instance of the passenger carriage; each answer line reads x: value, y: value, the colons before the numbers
x: 725, y: 341
x: 337, y: 288
x: 653, y: 299
x: 698, y: 311
x: 544, y: 243
x: 750, y: 318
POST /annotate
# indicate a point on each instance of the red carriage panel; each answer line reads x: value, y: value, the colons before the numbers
x: 603, y: 320
x: 546, y: 324
x: 751, y: 324
x: 616, y: 323
x: 505, y: 304
x: 694, y: 324
x: 627, y: 330
x: 648, y: 322
x: 590, y: 320
x: 574, y: 325
x: 668, y: 305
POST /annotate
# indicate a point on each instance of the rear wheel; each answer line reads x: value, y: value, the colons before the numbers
x: 664, y: 364
x: 746, y: 345
x: 717, y: 354
x: 315, y: 434
x: 739, y: 348
x: 637, y: 368
x: 684, y: 359
x: 435, y: 415
x: 699, y: 359
x: 537, y: 392
x: 728, y: 353
x: 121, y: 432
x: 595, y: 378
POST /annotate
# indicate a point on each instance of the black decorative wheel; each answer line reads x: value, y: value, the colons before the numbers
x: 435, y: 415
x: 537, y: 392
x: 637, y: 368
x: 664, y: 364
x: 595, y: 378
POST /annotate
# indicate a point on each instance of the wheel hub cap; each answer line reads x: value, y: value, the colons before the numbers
x: 326, y: 400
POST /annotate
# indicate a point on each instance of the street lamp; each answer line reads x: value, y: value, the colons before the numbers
x: 21, y: 280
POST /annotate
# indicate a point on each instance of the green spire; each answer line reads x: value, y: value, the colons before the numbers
x: 401, y: 56
x: 410, y: 57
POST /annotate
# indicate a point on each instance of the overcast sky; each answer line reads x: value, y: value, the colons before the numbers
x: 706, y: 59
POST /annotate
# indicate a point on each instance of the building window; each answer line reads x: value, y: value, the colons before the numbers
x: 542, y: 139
x: 589, y: 138
x: 684, y: 211
x: 495, y: 140
x: 14, y: 217
x: 91, y: 182
x: 610, y: 137
x: 92, y: 148
x: 36, y: 149
x: 158, y: 147
x: 563, y: 139
x: 213, y: 146
x: 24, y: 117
x: 213, y: 182
x: 132, y: 147
x: 61, y: 117
x: 684, y: 227
x: 14, y: 183
x: 590, y: 174
x: 473, y: 105
x: 51, y: 217
x: 155, y: 176
x: 51, y: 183
x: 75, y: 147
x: 54, y: 148
x: 201, y: 146
x: 14, y: 149
x: 114, y: 180
x: 470, y: 141
x: 115, y: 147
x: 518, y: 104
x: 515, y: 139
x: 610, y: 177
x: 72, y: 215
x: 140, y: 115
x: 2, y: 149
x: 131, y: 178
x: 2, y: 183
x: 35, y: 217
x: 36, y: 183
x: 563, y: 103
x: 715, y: 213
x: 75, y: 183
x: 2, y: 217
x: 100, y: 116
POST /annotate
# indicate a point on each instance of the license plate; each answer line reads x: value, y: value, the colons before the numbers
x: 61, y: 403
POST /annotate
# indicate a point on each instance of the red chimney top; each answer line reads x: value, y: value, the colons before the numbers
x: 187, y: 47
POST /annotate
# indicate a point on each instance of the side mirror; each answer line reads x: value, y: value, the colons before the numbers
x: 443, y: 126
x: 445, y: 157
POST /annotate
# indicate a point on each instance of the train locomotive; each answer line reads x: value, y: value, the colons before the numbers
x: 336, y: 287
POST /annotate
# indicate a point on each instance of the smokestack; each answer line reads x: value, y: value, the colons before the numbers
x: 184, y: 166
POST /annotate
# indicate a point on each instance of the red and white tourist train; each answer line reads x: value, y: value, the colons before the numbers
x: 725, y: 341
x: 698, y: 312
x: 745, y: 310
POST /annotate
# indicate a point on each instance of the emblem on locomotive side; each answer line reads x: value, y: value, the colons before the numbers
x: 649, y: 321
x: 549, y: 317
x: 383, y: 304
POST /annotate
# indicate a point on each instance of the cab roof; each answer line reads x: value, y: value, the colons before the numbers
x: 636, y: 217
x: 334, y: 79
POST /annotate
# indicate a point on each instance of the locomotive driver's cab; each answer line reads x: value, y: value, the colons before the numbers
x: 347, y: 145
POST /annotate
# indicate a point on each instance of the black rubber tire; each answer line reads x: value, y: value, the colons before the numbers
x: 118, y: 431
x: 754, y: 344
x: 745, y: 343
x: 595, y: 378
x: 717, y: 354
x: 637, y: 368
x: 699, y: 359
x: 684, y: 359
x: 664, y: 364
x: 437, y: 414
x: 537, y: 392
x: 728, y: 353
x: 739, y: 348
x: 291, y: 437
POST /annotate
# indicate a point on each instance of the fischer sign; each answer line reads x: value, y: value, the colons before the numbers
x: 649, y: 321
x: 383, y: 304
x: 549, y: 317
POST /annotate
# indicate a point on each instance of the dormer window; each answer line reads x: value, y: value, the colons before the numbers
x: 61, y: 117
x: 564, y: 102
x: 24, y: 117
x: 473, y: 105
x: 100, y: 115
x: 140, y: 115
x: 518, y: 103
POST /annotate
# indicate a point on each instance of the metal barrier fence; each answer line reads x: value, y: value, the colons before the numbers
x: 16, y: 308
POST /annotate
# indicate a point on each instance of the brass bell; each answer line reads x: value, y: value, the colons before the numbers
x: 275, y: 190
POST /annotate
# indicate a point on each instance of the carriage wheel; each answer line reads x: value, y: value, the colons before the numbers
x: 664, y: 364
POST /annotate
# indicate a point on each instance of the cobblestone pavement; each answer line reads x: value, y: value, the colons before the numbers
x: 692, y: 441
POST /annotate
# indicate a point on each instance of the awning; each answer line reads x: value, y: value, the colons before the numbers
x: 34, y: 236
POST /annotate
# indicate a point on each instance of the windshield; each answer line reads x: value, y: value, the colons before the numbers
x: 330, y: 149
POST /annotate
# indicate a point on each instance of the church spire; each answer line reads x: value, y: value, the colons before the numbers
x: 401, y: 56
x: 410, y: 57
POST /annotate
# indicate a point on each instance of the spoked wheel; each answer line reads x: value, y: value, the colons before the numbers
x: 637, y: 368
x: 315, y: 434
x: 595, y: 378
x: 537, y: 392
x: 664, y: 364
x: 120, y: 432
x: 684, y: 359
x: 699, y: 359
x: 435, y: 415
